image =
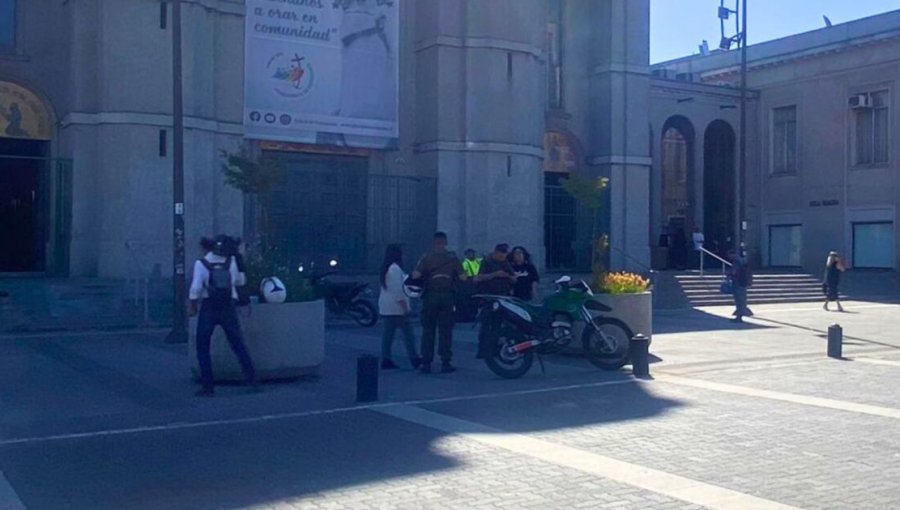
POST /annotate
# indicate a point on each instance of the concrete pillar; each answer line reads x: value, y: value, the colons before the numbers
x: 619, y: 143
x: 480, y: 83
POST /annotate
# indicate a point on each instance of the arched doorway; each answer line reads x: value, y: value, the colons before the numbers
x: 677, y: 184
x: 25, y: 132
x: 718, y: 186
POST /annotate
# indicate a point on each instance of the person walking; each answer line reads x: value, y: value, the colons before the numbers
x: 393, y: 306
x: 213, y: 295
x: 741, y: 280
x: 834, y: 266
x: 440, y: 270
x: 527, y: 278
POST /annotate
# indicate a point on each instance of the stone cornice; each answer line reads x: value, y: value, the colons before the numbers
x: 149, y: 119
x: 620, y: 69
x: 788, y: 58
x: 660, y: 87
x: 480, y: 43
x: 470, y: 146
x: 620, y: 160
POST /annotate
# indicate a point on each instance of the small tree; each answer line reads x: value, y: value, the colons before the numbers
x: 256, y: 177
x: 589, y: 193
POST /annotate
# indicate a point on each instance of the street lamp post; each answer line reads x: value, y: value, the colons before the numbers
x: 742, y: 167
x: 740, y: 212
x: 179, y: 323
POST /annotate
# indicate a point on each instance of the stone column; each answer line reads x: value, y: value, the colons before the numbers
x: 618, y: 144
x: 480, y: 83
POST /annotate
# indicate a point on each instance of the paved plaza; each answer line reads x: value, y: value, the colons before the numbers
x: 735, y: 416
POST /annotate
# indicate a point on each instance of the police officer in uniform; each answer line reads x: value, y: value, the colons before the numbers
x: 440, y: 270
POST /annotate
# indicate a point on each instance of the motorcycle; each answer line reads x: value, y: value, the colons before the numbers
x: 516, y: 331
x: 345, y: 298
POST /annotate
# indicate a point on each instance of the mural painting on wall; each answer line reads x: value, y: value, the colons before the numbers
x: 22, y: 114
x: 560, y: 154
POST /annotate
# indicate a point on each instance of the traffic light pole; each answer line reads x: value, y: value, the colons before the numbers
x: 179, y: 333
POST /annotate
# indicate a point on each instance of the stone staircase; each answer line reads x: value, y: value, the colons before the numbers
x: 768, y: 288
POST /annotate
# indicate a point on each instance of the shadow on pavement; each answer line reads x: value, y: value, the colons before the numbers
x: 686, y: 321
x: 253, y: 456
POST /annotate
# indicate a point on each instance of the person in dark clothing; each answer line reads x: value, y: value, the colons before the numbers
x: 213, y: 294
x: 440, y: 270
x: 834, y: 266
x: 496, y: 276
x: 741, y: 280
x: 526, y: 285
x: 679, y: 249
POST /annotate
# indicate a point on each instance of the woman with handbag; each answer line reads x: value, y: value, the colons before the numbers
x: 834, y: 266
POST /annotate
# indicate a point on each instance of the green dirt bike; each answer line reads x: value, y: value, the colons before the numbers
x: 513, y: 331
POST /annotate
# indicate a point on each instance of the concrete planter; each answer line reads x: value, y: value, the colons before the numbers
x: 285, y: 340
x: 635, y: 310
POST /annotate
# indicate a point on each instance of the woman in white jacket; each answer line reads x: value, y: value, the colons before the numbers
x: 393, y: 305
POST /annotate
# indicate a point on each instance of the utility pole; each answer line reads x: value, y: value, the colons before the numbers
x: 740, y: 195
x: 179, y: 333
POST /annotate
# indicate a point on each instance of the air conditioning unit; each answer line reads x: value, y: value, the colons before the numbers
x: 860, y: 101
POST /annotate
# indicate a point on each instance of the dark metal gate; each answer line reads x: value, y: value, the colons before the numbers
x: 35, y: 214
x: 560, y: 210
x: 329, y: 206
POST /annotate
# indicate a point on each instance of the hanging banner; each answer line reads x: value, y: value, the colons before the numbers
x: 322, y: 71
x: 22, y: 114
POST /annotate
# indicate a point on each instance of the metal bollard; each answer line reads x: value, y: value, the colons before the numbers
x: 835, y: 341
x: 640, y: 356
x: 367, y: 378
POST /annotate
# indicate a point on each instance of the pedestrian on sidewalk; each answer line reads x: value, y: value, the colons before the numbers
x: 440, y: 270
x: 527, y: 278
x: 741, y: 280
x: 393, y: 306
x: 213, y: 294
x: 834, y: 266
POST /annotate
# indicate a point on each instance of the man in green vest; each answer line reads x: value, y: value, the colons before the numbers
x: 471, y: 265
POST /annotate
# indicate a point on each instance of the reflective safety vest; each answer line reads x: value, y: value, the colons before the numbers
x: 471, y: 267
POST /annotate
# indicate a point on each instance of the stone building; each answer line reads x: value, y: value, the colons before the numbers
x: 497, y: 100
x: 822, y: 160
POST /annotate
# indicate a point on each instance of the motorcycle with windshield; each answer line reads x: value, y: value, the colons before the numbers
x: 515, y: 331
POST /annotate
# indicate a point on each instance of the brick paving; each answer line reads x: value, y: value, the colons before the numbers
x: 787, y: 452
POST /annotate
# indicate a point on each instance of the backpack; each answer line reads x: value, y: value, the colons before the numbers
x: 219, y: 285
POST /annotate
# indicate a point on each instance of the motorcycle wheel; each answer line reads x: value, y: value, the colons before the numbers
x: 363, y: 313
x: 506, y: 365
x: 611, y: 352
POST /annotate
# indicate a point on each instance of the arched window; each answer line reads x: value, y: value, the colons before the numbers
x: 675, y: 150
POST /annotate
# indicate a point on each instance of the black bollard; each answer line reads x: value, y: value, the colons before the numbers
x: 640, y: 356
x: 367, y: 378
x: 835, y: 341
